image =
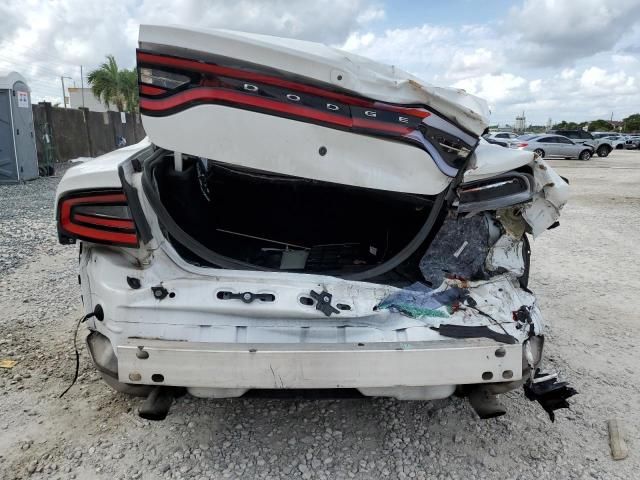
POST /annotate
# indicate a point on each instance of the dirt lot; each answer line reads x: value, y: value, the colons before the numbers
x: 586, y: 274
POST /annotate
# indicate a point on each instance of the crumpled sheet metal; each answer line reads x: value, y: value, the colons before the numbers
x: 505, y: 256
x: 497, y: 298
x: 552, y: 192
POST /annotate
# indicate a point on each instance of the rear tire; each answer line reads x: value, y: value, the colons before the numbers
x: 585, y: 155
x: 603, y: 151
x: 619, y: 147
x: 539, y: 152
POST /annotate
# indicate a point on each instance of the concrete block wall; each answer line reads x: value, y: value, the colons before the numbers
x: 82, y: 133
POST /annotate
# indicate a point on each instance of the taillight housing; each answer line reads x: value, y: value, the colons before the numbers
x: 522, y: 145
x: 96, y: 216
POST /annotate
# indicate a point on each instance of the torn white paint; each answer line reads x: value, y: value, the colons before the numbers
x: 506, y: 256
x: 489, y: 160
x: 497, y: 298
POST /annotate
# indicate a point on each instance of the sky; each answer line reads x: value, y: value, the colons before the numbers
x: 551, y: 59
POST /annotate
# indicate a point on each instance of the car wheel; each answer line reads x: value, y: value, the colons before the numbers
x: 603, y: 151
x: 619, y: 147
x: 539, y: 152
x: 585, y: 155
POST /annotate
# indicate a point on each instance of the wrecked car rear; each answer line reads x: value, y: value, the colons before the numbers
x: 305, y: 218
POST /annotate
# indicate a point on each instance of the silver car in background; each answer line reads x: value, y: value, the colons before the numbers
x: 551, y: 145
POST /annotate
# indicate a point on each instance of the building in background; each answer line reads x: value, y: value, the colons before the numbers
x: 521, y: 123
x: 90, y: 100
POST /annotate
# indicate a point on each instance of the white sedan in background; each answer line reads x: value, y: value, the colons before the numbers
x: 550, y: 145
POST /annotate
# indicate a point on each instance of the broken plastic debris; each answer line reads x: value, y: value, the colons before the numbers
x: 548, y: 392
x: 619, y: 450
x: 474, y: 331
x: 5, y: 363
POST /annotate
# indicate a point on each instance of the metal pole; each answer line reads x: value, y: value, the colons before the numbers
x: 82, y: 85
x: 64, y: 98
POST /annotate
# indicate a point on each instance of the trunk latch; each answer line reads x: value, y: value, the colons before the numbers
x: 323, y: 302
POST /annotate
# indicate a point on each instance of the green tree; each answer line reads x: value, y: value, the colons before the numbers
x: 631, y: 123
x: 600, y: 126
x: 129, y: 80
x: 114, y: 86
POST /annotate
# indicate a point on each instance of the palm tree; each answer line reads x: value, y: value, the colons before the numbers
x: 114, y: 86
x: 129, y: 88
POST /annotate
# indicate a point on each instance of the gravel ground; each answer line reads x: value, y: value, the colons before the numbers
x: 586, y: 275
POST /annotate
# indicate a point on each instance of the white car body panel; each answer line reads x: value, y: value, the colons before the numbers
x: 101, y: 172
x: 386, y: 83
x: 291, y: 147
x: 489, y: 160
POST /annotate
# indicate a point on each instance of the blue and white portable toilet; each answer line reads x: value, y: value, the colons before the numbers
x: 18, y: 157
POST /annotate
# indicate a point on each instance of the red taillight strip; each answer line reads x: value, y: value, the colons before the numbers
x: 100, y: 235
x: 220, y: 95
x: 149, y: 90
x: 130, y: 239
x: 181, y: 63
x: 105, y: 222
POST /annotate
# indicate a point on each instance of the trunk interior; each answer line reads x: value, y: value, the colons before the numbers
x: 277, y: 222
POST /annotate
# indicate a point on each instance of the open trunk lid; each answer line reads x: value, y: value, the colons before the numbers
x: 303, y: 109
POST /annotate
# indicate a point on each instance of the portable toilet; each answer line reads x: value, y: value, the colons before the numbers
x: 18, y: 157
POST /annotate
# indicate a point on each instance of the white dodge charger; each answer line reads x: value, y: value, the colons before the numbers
x: 305, y: 218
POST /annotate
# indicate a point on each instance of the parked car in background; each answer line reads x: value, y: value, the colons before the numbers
x: 632, y: 142
x: 601, y: 146
x: 504, y: 139
x: 501, y: 135
x: 502, y: 143
x: 617, y: 140
x: 549, y: 145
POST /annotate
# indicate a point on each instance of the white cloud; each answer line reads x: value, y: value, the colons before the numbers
x: 538, y: 58
x: 495, y: 88
x: 358, y: 41
x: 535, y: 86
x: 597, y: 81
x: 44, y: 40
x: 371, y: 14
x: 557, y: 32
x: 326, y: 21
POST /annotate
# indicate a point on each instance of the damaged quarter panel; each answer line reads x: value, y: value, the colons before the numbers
x: 552, y: 192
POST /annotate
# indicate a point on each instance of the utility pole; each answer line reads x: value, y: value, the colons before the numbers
x: 64, y: 97
x: 82, y: 85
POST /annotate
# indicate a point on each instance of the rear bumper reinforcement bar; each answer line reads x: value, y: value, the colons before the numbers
x: 226, y: 365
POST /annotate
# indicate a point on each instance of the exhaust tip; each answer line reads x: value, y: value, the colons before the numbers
x: 485, y: 403
x: 157, y: 405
